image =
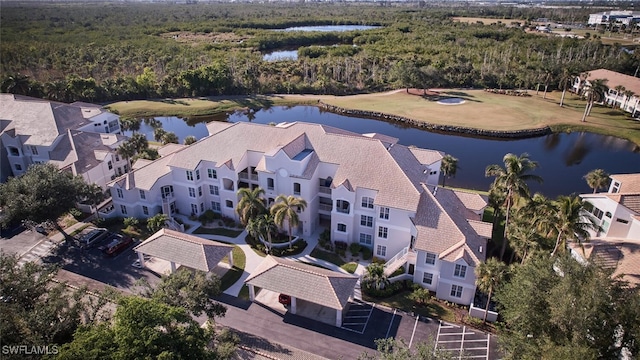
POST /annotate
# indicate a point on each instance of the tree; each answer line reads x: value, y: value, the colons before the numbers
x: 158, y: 133
x: 42, y: 194
x: 595, y: 92
x: 190, y: 140
x: 513, y: 179
x: 393, y: 349
x: 570, y: 221
x: 565, y: 77
x: 375, y: 277
x: 132, y: 124
x: 597, y: 179
x: 157, y: 222
x: 251, y: 204
x: 262, y: 226
x: 170, y: 138
x: 619, y: 90
x: 139, y: 142
x: 628, y: 94
x: 127, y: 150
x: 286, y: 209
x: 448, y: 167
x: 489, y: 275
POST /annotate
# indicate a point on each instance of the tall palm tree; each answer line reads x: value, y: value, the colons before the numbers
x: 251, y: 204
x: 127, y: 150
x: 595, y: 91
x: 139, y: 141
x: 513, y: 179
x: 262, y: 226
x: 565, y: 77
x: 489, y: 275
x: 597, y: 179
x: 448, y: 167
x: 619, y: 89
x: 627, y: 96
x: 571, y: 221
x: 375, y: 277
x: 286, y: 209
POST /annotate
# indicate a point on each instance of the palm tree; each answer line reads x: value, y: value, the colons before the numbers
x: 566, y: 76
x: 127, y: 150
x: 448, y: 167
x: 263, y: 227
x: 594, y: 91
x: 513, y: 179
x: 170, y: 138
x: 157, y: 222
x: 159, y: 133
x: 597, y: 179
x: 375, y: 277
x: 627, y: 96
x: 570, y: 221
x: 139, y: 141
x: 489, y: 275
x: 188, y: 140
x: 286, y: 209
x: 251, y: 204
x: 619, y: 89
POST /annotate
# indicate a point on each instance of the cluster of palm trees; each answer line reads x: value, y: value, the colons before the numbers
x: 261, y: 221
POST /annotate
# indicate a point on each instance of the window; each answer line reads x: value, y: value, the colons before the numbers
x: 145, y: 210
x: 616, y: 187
x: 366, y: 220
x: 123, y: 209
x: 367, y: 202
x: 119, y: 192
x: 201, y: 207
x: 142, y: 195
x: 460, y: 271
x: 270, y: 183
x: 433, y: 172
x: 427, y: 278
x: 381, y: 251
x: 192, y: 192
x: 622, y: 221
x: 342, y: 206
x: 215, y: 206
x: 18, y: 167
x: 13, y: 151
x: 126, y: 167
x: 213, y: 190
x: 212, y: 173
x: 384, y: 213
x: 456, y: 291
x: 296, y: 188
x: 34, y: 150
x: 598, y: 213
x: 383, y: 232
x: 431, y: 258
x: 199, y: 191
x: 198, y: 174
x: 117, y: 157
x: 229, y: 203
x: 189, y: 175
x: 366, y: 239
x: 194, y: 208
x: 608, y: 214
x: 342, y: 227
x: 110, y: 165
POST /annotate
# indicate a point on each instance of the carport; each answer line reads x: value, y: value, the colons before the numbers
x: 184, y: 249
x: 305, y: 282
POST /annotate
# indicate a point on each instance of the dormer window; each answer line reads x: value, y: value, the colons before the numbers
x: 616, y: 187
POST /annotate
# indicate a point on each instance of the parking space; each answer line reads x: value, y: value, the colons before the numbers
x: 357, y: 316
x: 463, y: 342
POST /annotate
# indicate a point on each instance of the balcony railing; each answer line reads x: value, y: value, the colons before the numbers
x: 342, y: 210
x: 325, y: 207
x: 167, y: 197
x: 243, y: 176
x: 324, y: 189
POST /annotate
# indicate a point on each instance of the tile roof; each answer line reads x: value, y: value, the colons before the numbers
x: 472, y: 201
x: 146, y: 174
x: 185, y: 249
x: 426, y: 156
x: 91, y: 148
x: 386, y: 139
x: 629, y: 183
x: 615, y: 79
x: 325, y: 287
x: 631, y: 202
x: 446, y: 227
x: 620, y: 255
x: 169, y: 148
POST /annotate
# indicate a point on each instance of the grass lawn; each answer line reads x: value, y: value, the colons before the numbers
x: 244, y: 292
x: 218, y: 231
x: 401, y: 301
x: 239, y: 262
x: 327, y: 256
x: 350, y: 267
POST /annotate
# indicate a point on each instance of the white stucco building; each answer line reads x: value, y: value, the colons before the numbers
x: 77, y: 137
x: 627, y: 99
x: 616, y: 17
x: 364, y: 188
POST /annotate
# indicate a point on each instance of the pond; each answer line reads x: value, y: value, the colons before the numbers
x: 281, y: 55
x: 564, y: 158
x: 329, y: 28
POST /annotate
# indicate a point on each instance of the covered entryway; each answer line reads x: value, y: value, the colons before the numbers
x: 184, y: 249
x: 305, y: 283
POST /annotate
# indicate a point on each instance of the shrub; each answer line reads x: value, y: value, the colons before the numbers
x: 77, y: 214
x: 354, y: 248
x: 296, y: 249
x: 325, y: 235
x: 389, y: 290
x: 130, y: 222
x: 378, y: 260
x: 420, y: 296
x: 366, y: 253
x: 207, y: 217
x: 341, y: 245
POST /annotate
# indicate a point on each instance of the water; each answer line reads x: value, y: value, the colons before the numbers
x: 329, y: 28
x: 564, y: 158
x: 176, y: 125
x: 281, y: 55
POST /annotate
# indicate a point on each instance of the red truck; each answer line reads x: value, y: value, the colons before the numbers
x: 116, y: 245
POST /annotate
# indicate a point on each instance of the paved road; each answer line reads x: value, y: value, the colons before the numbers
x: 21, y: 243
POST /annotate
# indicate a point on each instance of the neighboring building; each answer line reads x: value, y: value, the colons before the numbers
x: 365, y: 188
x: 614, y: 17
x: 79, y: 137
x: 617, y: 212
x: 629, y: 104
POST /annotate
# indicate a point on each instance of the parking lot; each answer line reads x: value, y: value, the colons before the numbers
x: 463, y: 342
x: 357, y: 317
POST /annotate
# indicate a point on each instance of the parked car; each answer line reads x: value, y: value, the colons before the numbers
x: 284, y: 299
x: 93, y: 237
x: 117, y: 244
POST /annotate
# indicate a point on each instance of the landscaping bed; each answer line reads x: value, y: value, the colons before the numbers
x: 232, y: 233
x: 261, y: 249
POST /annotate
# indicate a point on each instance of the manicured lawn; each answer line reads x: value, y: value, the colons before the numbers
x: 327, y: 256
x: 400, y: 301
x: 350, y: 267
x: 239, y: 262
x: 218, y: 231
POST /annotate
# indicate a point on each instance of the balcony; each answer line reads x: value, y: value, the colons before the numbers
x: 325, y: 207
x: 168, y: 197
x: 246, y: 176
x: 324, y: 189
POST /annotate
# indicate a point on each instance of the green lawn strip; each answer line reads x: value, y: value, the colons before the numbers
x: 231, y: 276
x: 350, y: 267
x: 218, y: 231
x: 327, y: 256
x: 244, y: 292
x: 79, y: 230
x: 401, y: 301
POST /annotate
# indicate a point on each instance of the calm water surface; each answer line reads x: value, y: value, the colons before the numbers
x: 328, y: 28
x: 281, y: 55
x: 564, y: 158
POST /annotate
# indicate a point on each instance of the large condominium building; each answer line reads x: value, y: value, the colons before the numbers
x: 77, y: 137
x: 364, y: 188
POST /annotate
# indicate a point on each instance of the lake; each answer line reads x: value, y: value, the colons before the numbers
x: 329, y: 28
x: 281, y: 55
x: 564, y: 158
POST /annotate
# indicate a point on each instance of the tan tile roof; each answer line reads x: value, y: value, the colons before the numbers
x: 623, y: 256
x: 216, y: 126
x: 325, y: 287
x: 446, y: 227
x: 629, y: 183
x: 615, y: 79
x: 426, y: 156
x: 472, y: 201
x: 386, y: 139
x: 169, y: 149
x: 147, y: 174
x: 630, y: 201
x: 409, y: 164
x: 185, y: 249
